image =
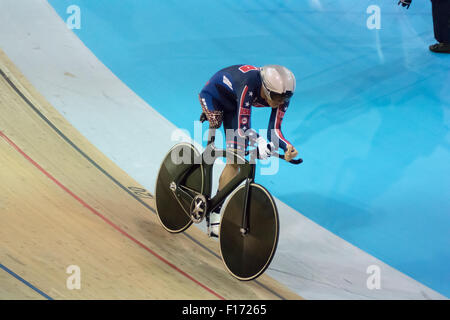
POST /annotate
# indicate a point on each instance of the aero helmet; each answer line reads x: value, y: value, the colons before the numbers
x: 278, y: 82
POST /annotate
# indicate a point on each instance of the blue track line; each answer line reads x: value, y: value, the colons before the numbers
x: 25, y: 282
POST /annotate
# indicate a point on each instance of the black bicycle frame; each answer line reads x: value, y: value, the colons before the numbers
x: 246, y: 173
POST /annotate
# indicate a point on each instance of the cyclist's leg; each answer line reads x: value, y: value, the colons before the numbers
x: 235, y: 144
x: 231, y: 169
x: 228, y: 173
x: 214, y: 113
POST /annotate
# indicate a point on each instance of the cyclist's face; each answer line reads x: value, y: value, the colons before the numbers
x: 276, y: 102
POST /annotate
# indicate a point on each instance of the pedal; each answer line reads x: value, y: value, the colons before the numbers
x: 213, y: 231
x: 198, y: 208
x: 208, y: 225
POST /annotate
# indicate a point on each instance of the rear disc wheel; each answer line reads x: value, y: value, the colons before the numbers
x: 174, y: 212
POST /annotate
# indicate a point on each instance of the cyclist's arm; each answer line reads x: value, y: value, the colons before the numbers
x: 274, y: 133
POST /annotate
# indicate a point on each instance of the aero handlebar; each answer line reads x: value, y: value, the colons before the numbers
x: 274, y: 154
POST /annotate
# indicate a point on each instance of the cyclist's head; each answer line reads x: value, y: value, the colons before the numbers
x: 278, y: 84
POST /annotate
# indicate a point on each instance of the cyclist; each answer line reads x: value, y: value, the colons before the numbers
x: 228, y: 97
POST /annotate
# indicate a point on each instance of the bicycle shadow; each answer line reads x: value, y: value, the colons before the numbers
x: 339, y: 216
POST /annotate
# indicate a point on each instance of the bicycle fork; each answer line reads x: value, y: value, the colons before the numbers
x: 245, y: 214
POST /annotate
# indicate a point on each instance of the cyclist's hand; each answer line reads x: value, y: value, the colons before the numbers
x: 263, y: 148
x: 405, y: 3
x: 290, y: 153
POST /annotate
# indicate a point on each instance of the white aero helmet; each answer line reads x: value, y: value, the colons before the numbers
x: 278, y: 82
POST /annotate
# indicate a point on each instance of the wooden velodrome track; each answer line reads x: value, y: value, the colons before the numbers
x: 63, y: 203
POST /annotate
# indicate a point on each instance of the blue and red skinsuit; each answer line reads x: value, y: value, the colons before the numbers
x: 233, y: 91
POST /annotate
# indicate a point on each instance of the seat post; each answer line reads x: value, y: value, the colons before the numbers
x: 211, y: 135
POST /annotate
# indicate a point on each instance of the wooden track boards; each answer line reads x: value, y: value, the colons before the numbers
x: 62, y: 203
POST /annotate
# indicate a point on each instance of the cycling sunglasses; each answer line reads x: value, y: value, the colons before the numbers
x: 281, y: 96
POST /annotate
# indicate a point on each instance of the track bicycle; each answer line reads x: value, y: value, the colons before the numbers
x: 249, y: 226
